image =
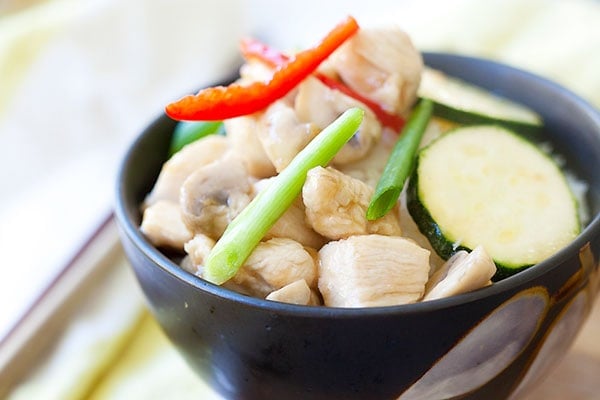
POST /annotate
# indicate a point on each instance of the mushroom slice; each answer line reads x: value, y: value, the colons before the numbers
x: 296, y: 292
x: 292, y: 224
x: 462, y: 273
x: 336, y: 206
x: 163, y: 226
x: 321, y: 105
x: 182, y: 164
x: 283, y: 135
x: 382, y: 65
x: 371, y: 271
x: 214, y: 195
x: 274, y: 264
x: 370, y: 168
x: 242, y: 132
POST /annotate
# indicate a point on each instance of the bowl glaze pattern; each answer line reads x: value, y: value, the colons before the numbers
x: 494, y: 343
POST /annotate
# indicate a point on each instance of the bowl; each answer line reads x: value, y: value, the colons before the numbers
x: 496, y: 342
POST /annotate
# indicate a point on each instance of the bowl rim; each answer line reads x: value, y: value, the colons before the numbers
x: 131, y: 230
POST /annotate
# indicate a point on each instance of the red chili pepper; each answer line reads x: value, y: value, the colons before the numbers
x: 253, y: 49
x: 218, y: 103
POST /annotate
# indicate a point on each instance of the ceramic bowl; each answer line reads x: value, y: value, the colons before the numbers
x: 493, y: 343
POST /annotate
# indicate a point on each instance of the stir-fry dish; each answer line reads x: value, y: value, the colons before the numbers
x: 352, y: 175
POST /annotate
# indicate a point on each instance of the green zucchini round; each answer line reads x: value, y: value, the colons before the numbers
x: 468, y: 104
x: 485, y: 185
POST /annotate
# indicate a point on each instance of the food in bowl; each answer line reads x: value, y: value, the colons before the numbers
x: 300, y: 196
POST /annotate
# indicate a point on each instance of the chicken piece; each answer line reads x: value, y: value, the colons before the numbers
x: 372, y: 271
x: 336, y: 206
x: 462, y: 273
x: 382, y: 65
x: 321, y: 105
x: 274, y: 264
x: 214, y: 195
x: 296, y: 292
x: 198, y: 249
x: 163, y: 226
x: 255, y: 71
x: 182, y: 164
x: 282, y: 135
x: 292, y: 224
x: 242, y: 132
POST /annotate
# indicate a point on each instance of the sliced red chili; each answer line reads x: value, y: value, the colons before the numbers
x: 218, y: 103
x: 253, y: 49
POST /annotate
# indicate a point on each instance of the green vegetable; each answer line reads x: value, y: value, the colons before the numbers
x: 468, y: 104
x: 485, y: 185
x: 248, y: 228
x: 401, y: 162
x: 188, y: 132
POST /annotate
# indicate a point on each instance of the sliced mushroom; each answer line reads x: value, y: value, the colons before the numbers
x: 163, y: 226
x: 182, y: 164
x: 282, y: 135
x: 320, y: 105
x: 242, y: 132
x: 336, y: 206
x: 274, y: 264
x: 292, y: 224
x: 296, y: 292
x: 370, y: 168
x: 382, y: 65
x: 372, y: 270
x: 462, y: 273
x: 213, y: 195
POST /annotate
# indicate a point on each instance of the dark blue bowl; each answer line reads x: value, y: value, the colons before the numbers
x: 496, y: 342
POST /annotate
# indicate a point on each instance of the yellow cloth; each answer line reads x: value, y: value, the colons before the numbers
x: 557, y: 39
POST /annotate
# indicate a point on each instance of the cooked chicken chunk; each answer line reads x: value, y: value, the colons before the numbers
x: 274, y: 264
x: 462, y: 273
x: 242, y: 132
x: 320, y: 105
x: 255, y: 71
x: 215, y: 194
x: 371, y: 271
x: 336, y: 206
x: 292, y: 224
x: 282, y: 135
x: 182, y: 164
x: 296, y: 292
x: 198, y: 249
x: 382, y: 65
x: 163, y: 225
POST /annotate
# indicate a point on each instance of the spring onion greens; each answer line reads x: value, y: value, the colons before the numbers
x: 187, y: 132
x: 401, y: 162
x: 248, y: 228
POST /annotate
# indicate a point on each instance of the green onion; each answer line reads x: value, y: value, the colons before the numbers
x: 401, y: 162
x: 248, y: 228
x: 188, y: 132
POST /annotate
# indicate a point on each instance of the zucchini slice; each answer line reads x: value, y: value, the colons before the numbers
x: 468, y: 104
x: 485, y: 185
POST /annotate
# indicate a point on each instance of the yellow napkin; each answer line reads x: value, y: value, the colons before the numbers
x: 557, y: 39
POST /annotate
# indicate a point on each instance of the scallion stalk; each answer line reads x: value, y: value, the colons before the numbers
x: 248, y: 228
x: 401, y: 162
